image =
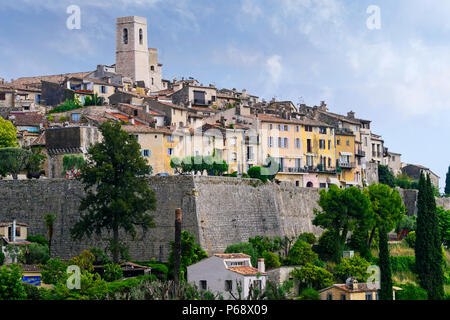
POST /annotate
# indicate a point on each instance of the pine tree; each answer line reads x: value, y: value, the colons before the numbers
x: 385, y: 267
x: 447, y: 183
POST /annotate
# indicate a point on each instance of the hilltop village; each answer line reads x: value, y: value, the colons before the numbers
x: 313, y: 146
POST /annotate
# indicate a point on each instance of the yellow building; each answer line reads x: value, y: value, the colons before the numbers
x: 157, y: 146
x: 352, y: 290
x: 346, y: 162
x: 281, y: 139
x: 319, y: 149
x: 6, y: 230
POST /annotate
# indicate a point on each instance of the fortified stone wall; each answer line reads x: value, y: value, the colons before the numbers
x: 218, y: 211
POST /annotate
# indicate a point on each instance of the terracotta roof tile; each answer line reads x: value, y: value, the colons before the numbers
x: 246, y: 271
x: 233, y: 256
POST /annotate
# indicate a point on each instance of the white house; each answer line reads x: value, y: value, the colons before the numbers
x: 222, y: 273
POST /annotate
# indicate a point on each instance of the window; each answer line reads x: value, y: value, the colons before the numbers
x: 17, y: 231
x: 125, y: 36
x: 270, y: 142
x: 369, y: 296
x: 170, y: 138
x: 270, y: 126
x: 297, y: 143
x: 146, y: 153
x: 286, y: 143
x: 233, y: 141
x: 286, y: 128
x: 330, y: 296
x: 297, y: 128
x: 234, y: 157
x: 308, y: 128
x: 75, y: 117
x: 228, y: 285
x: 2, y: 96
x: 343, y: 297
x: 338, y: 142
x: 309, y: 161
x: 322, y: 185
x: 279, y: 127
x: 203, y: 284
x: 153, y: 81
x: 365, y: 141
x: 322, y: 130
x: 322, y: 144
x: 308, y: 145
x: 152, y: 68
x: 298, y: 163
x: 141, y: 37
x: 257, y: 284
x: 347, y: 143
x: 329, y: 144
x: 103, y: 89
x: 170, y: 151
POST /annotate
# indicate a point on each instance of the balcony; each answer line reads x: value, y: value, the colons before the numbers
x: 360, y: 153
x: 293, y: 170
x: 347, y: 165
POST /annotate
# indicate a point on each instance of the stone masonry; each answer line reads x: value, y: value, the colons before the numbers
x: 218, y: 211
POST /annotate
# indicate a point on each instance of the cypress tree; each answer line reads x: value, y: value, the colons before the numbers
x: 436, y: 291
x: 447, y: 183
x: 429, y: 260
x: 385, y: 267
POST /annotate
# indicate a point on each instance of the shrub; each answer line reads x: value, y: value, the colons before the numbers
x: 308, y: 237
x: 326, y: 245
x: 244, y: 247
x: 85, y: 260
x: 256, y: 173
x: 411, y: 292
x: 32, y: 291
x: 271, y: 260
x: 38, y: 239
x: 309, y: 294
x: 67, y: 106
x: 54, y: 271
x: 301, y: 253
x: 311, y: 276
x: 11, y: 286
x: 352, y: 267
x: 112, y: 272
x: 2, y: 258
x: 401, y: 263
x: 100, y: 257
x: 411, y: 239
x: 36, y: 253
x: 245, y: 176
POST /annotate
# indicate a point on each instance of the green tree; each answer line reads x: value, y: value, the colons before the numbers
x: 388, y: 210
x: 191, y: 253
x: 112, y: 272
x: 308, y: 237
x: 444, y: 224
x: 342, y: 211
x: 49, y: 223
x: 309, y: 294
x: 429, y: 260
x: 246, y: 248
x: 385, y: 176
x: 14, y: 161
x: 311, y: 276
x: 85, y: 261
x: 54, y: 271
x: 447, y: 183
x: 11, y: 286
x: 117, y: 193
x: 8, y: 134
x: 411, y: 292
x: 271, y: 260
x: 301, y: 254
x: 352, y: 267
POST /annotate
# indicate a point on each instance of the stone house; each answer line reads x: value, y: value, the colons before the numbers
x: 352, y: 290
x: 394, y: 162
x: 15, y: 234
x: 223, y: 273
x: 193, y: 95
x: 414, y: 170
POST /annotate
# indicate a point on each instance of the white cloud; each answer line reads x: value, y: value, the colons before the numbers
x: 274, y: 69
x: 251, y: 8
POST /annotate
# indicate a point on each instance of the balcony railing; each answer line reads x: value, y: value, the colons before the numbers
x: 347, y: 165
x: 360, y: 153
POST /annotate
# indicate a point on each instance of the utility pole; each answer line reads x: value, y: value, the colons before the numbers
x: 177, y: 249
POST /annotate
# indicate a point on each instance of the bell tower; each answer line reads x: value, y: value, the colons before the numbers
x: 132, y: 56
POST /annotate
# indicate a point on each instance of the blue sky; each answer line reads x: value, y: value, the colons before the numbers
x: 299, y: 50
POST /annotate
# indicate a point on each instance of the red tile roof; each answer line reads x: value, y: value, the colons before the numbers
x: 232, y: 256
x: 28, y: 119
x: 125, y: 118
x: 246, y: 271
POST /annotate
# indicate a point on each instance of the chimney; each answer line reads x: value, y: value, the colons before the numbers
x: 351, y: 115
x: 131, y: 120
x: 323, y: 106
x: 13, y: 231
x: 147, y: 109
x: 261, y: 266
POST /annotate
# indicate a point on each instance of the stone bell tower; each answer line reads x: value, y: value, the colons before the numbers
x: 132, y: 55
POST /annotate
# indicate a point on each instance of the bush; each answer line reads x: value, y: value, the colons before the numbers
x: 311, y: 276
x: 100, y: 257
x: 411, y: 292
x: 11, y: 286
x: 401, y: 263
x: 2, y: 258
x: 112, y: 272
x: 301, y: 254
x: 411, y: 239
x: 36, y: 253
x: 244, y: 247
x: 271, y: 260
x: 308, y: 237
x: 85, y: 260
x: 326, y: 245
x: 54, y: 271
x: 32, y: 291
x: 309, y: 294
x: 67, y: 106
x: 159, y: 269
x: 352, y: 267
x: 38, y: 239
x: 245, y: 176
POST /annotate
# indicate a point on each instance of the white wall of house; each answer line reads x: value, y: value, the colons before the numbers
x: 214, y: 271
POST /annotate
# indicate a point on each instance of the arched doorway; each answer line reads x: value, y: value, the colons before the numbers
x: 309, y: 184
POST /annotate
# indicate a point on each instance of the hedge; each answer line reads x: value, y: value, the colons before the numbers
x: 401, y: 264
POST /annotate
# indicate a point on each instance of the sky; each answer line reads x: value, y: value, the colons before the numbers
x: 389, y: 63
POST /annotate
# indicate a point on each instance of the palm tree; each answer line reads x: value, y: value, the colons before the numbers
x: 49, y: 220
